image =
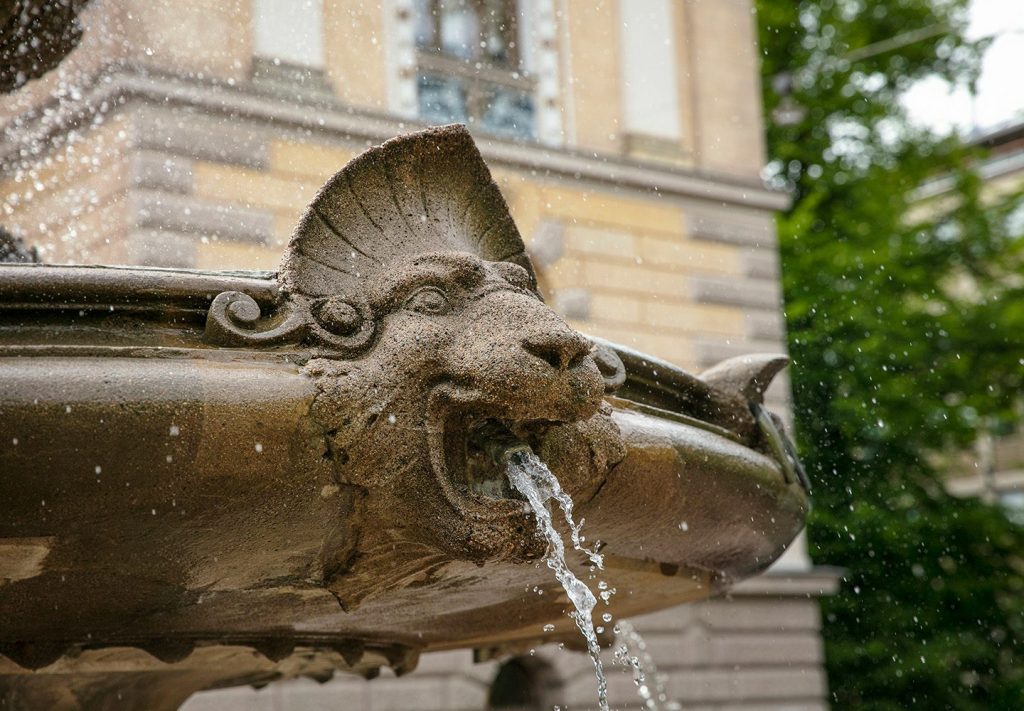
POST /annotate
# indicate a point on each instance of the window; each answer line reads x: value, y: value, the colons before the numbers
x: 651, y: 93
x: 470, y: 67
x: 289, y: 31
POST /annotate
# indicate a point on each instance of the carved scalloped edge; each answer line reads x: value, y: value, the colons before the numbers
x: 36, y: 656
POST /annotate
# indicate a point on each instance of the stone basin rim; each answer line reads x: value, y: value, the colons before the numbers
x: 181, y: 292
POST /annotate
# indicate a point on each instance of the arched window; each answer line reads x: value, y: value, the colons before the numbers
x: 470, y: 65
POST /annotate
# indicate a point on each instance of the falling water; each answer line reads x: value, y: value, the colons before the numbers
x: 532, y: 479
x: 631, y: 651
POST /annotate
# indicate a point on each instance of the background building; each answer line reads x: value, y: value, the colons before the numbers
x: 994, y: 469
x: 627, y: 138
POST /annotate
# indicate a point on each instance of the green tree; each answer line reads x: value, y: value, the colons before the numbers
x: 906, y: 327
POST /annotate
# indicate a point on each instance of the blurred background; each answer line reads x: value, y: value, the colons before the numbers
x: 697, y: 179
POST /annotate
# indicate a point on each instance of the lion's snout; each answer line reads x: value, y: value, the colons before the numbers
x: 525, y: 357
x: 561, y: 348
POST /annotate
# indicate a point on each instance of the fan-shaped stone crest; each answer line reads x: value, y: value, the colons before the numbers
x: 420, y: 193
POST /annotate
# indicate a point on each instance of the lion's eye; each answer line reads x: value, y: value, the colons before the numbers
x: 428, y: 300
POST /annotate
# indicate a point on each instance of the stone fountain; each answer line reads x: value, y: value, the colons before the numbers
x: 223, y: 478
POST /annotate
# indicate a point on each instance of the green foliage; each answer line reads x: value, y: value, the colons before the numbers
x: 906, y: 327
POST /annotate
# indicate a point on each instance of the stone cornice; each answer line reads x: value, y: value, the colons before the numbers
x: 818, y: 581
x: 331, y: 118
x: 989, y: 169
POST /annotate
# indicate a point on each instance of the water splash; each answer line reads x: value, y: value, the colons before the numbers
x: 533, y: 480
x: 631, y: 651
x: 565, y: 503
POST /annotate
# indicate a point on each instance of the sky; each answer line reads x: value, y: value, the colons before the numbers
x: 1000, y: 96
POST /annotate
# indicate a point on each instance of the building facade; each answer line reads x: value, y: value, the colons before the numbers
x: 627, y: 138
x: 994, y: 469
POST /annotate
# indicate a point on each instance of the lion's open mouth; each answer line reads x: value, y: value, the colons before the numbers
x: 466, y: 444
x: 476, y: 454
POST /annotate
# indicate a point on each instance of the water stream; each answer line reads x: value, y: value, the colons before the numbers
x: 631, y: 651
x: 531, y: 478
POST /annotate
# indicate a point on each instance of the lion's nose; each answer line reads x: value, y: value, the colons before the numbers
x: 561, y: 349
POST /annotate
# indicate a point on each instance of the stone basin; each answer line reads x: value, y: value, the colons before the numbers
x: 217, y: 478
x: 182, y: 487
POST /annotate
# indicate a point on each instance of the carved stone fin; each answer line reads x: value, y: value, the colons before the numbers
x: 748, y: 375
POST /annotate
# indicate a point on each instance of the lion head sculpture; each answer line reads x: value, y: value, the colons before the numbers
x: 433, y: 338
